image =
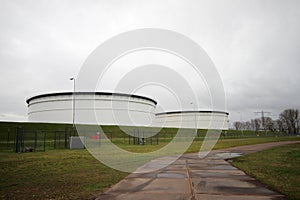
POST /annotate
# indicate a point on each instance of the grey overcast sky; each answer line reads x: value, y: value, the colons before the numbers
x: 254, y: 44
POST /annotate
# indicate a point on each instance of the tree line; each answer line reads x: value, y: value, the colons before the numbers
x: 288, y: 122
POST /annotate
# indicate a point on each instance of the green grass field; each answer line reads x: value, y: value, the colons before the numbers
x: 55, y: 174
x: 75, y: 174
x: 279, y: 168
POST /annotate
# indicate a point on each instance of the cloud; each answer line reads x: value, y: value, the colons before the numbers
x: 12, y: 117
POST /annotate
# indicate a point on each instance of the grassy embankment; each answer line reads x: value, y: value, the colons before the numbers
x: 35, y: 134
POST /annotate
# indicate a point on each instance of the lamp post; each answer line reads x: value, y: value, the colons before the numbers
x: 241, y: 119
x: 73, y: 104
x: 192, y: 103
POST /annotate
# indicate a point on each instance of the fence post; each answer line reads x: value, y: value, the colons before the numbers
x: 59, y: 140
x: 138, y: 137
x: 129, y: 138
x: 8, y: 137
x: 22, y: 139
x: 133, y: 136
x: 99, y: 138
x: 16, y: 140
x: 44, y: 140
x: 35, y: 139
x: 19, y: 143
x: 54, y: 140
x: 66, y: 137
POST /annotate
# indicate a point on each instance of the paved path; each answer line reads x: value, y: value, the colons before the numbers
x: 193, y: 178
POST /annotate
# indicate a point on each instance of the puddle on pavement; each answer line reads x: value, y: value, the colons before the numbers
x: 228, y: 155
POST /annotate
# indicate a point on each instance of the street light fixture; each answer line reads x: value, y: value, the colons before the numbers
x: 73, y: 104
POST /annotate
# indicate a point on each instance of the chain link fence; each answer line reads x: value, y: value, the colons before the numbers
x: 30, y: 137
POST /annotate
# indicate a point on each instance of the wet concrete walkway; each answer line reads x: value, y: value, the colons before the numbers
x: 193, y: 178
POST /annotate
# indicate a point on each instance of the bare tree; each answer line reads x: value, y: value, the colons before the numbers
x: 289, y: 118
x: 269, y: 124
x: 257, y: 124
x: 252, y: 124
x: 248, y: 125
x: 237, y: 125
x: 279, y: 126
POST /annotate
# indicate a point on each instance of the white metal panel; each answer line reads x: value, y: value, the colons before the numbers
x: 92, y: 109
x: 191, y: 120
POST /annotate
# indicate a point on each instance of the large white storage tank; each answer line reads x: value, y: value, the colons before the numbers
x: 191, y: 119
x: 92, y: 108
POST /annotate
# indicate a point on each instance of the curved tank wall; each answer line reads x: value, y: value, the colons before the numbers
x: 92, y: 108
x: 188, y: 119
x: 117, y: 109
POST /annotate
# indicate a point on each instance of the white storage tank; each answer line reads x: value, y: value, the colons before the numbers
x: 191, y: 119
x: 102, y: 108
